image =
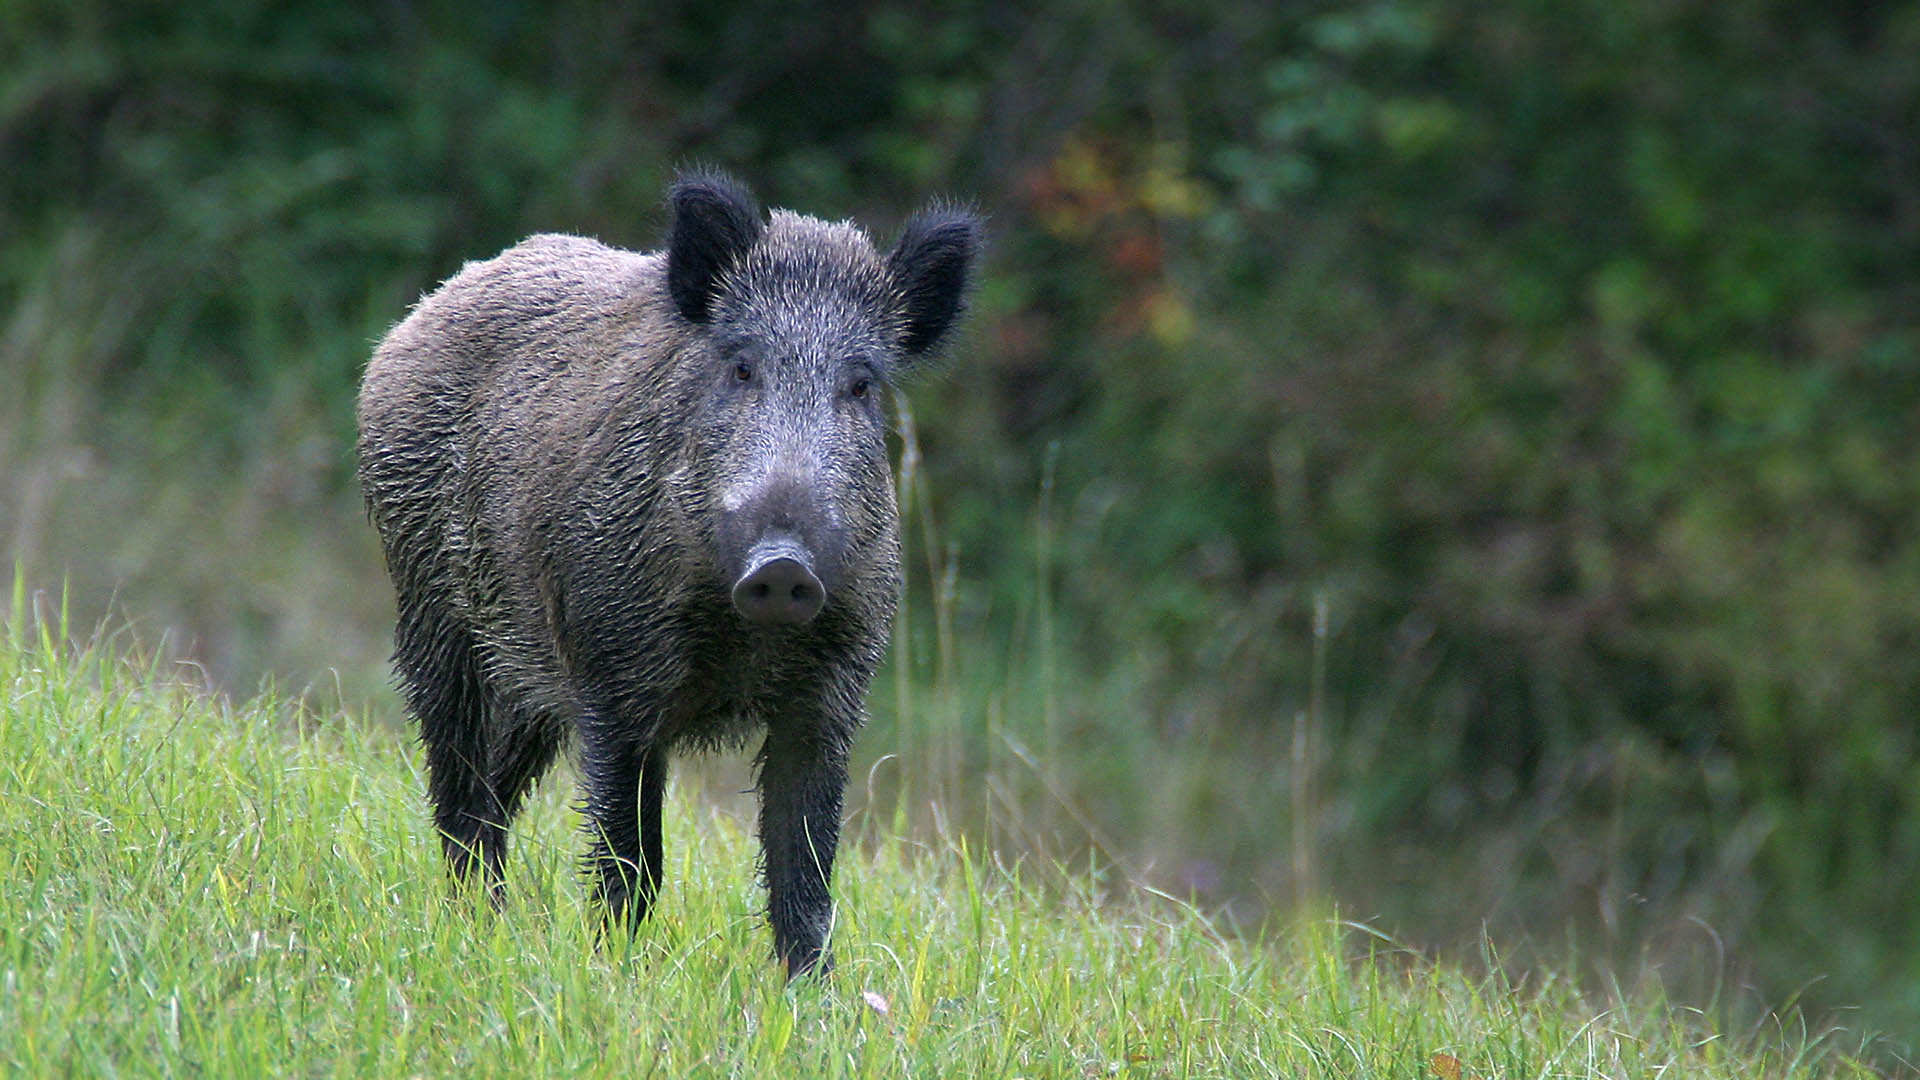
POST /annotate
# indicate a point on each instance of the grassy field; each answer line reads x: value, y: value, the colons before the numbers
x: 192, y: 886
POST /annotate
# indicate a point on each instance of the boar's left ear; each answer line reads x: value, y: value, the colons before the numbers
x: 715, y: 223
x: 932, y: 264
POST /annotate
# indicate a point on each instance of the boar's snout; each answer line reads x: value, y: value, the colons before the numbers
x: 779, y: 587
x: 781, y: 542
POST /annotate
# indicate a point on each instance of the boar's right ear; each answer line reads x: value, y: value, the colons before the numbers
x: 715, y: 223
x: 932, y: 264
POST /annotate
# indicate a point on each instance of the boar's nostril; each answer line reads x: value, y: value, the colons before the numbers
x: 778, y: 588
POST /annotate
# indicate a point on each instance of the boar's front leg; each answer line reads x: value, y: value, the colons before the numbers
x: 803, y: 772
x: 626, y: 854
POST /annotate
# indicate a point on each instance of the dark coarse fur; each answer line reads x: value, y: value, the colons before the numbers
x: 576, y: 457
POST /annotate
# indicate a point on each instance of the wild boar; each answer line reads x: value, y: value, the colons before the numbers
x: 644, y: 501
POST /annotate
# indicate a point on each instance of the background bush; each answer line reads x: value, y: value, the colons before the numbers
x: 1455, y: 458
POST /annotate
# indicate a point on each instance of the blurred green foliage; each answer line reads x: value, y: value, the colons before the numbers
x: 1565, y: 354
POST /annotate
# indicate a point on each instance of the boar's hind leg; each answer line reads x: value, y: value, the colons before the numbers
x: 626, y: 854
x: 441, y: 674
x: 803, y: 772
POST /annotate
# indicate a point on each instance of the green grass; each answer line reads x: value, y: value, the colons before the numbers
x: 190, y: 886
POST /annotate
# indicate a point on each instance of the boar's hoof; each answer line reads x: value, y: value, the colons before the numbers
x: 778, y: 588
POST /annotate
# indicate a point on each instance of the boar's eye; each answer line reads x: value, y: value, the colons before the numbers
x: 860, y: 388
x: 742, y: 371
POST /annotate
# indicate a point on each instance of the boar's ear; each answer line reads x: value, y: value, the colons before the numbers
x: 932, y: 263
x: 715, y: 222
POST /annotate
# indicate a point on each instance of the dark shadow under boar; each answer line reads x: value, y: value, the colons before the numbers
x: 646, y: 498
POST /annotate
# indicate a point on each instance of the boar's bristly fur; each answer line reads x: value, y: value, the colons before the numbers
x: 643, y: 501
